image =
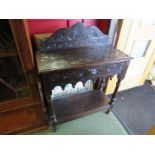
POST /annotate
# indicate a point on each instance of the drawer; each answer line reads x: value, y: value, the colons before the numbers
x: 61, y: 78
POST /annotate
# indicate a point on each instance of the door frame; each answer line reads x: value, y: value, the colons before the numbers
x: 120, y: 42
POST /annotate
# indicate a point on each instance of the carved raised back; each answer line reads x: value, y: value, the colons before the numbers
x: 78, y: 35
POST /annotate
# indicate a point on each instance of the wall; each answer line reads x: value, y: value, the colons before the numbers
x: 36, y: 26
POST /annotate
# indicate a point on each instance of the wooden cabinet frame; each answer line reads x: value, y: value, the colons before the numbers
x: 26, y: 114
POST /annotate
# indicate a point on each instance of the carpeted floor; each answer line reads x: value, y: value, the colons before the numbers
x: 95, y: 124
x: 135, y: 108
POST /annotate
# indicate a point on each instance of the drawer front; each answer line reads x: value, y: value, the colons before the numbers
x: 61, y: 78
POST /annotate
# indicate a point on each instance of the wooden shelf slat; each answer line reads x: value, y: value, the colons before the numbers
x: 8, y: 53
x: 77, y: 105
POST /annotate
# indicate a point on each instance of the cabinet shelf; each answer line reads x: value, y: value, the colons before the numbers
x: 8, y: 53
x: 77, y: 105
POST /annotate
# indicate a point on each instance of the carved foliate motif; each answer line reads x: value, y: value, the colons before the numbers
x: 63, y: 77
x: 76, y: 36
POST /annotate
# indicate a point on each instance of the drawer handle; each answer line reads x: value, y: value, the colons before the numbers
x: 93, y: 70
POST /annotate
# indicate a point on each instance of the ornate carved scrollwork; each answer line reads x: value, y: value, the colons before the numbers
x: 72, y: 76
x: 76, y: 36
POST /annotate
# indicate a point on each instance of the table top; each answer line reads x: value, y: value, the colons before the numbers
x: 78, y: 57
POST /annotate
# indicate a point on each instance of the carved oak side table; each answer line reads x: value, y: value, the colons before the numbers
x: 77, y: 54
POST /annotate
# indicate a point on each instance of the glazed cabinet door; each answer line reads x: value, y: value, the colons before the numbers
x: 19, y: 94
x: 14, y: 83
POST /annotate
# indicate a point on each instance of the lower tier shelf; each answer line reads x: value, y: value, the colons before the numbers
x: 78, y: 105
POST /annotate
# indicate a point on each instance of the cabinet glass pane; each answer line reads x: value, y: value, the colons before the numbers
x: 139, y: 48
x: 13, y: 81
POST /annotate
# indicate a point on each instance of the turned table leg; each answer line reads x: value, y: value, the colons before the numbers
x: 111, y: 103
x: 51, y: 113
x: 54, y: 125
x: 54, y: 120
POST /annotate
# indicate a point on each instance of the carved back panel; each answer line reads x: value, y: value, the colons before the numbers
x: 78, y: 35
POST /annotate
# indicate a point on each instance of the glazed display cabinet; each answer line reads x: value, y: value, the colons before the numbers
x: 21, y: 108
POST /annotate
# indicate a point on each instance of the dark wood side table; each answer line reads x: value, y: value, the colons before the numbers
x: 63, y: 59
